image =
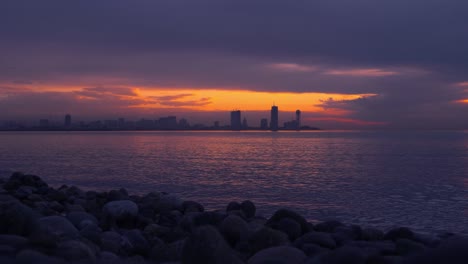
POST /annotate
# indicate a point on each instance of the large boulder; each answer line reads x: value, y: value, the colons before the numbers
x: 18, y: 179
x: 234, y: 229
x: 278, y: 255
x: 72, y: 250
x: 50, y: 230
x: 16, y: 218
x: 248, y: 208
x: 398, y: 233
x: 137, y: 242
x: 286, y: 213
x: 112, y: 242
x: 319, y: 238
x: 206, y: 245
x: 81, y: 219
x: 267, y: 237
x: 120, y: 213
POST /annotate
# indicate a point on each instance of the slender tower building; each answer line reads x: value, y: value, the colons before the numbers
x: 67, y: 122
x: 298, y: 119
x: 236, y: 120
x: 274, y: 118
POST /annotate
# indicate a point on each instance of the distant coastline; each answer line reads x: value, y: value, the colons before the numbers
x: 305, y: 128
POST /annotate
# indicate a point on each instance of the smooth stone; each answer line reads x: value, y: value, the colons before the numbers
x: 168, y: 202
x: 318, y: 238
x: 112, y: 242
x: 154, y: 233
x: 164, y: 253
x: 372, y: 234
x: 92, y: 232
x: 6, y: 250
x: 120, y: 213
x: 286, y: 213
x: 346, y: 254
x: 249, y: 209
x: 108, y: 257
x: 453, y: 250
x: 234, y: 229
x: 233, y: 206
x: 18, y: 179
x: 327, y: 226
x: 138, y: 244
x: 313, y: 249
x: 191, y: 206
x: 206, y: 245
x: 278, y: 255
x: 16, y: 218
x: 24, y: 191
x: 266, y: 238
x: 406, y: 247
x: 28, y: 256
x: 384, y: 247
x: 290, y: 227
x: 52, y: 229
x: 343, y: 234
x: 400, y: 232
x: 15, y: 241
x: 76, y: 218
x: 73, y: 250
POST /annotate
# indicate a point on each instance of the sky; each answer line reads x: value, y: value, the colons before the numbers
x: 360, y: 64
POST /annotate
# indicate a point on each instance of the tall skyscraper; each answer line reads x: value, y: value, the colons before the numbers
x: 298, y: 119
x: 67, y: 122
x: 274, y: 118
x: 236, y: 120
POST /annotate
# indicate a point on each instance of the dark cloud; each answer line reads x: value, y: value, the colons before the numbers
x: 180, y: 100
x: 410, y: 53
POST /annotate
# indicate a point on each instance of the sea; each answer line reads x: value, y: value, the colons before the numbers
x: 381, y: 179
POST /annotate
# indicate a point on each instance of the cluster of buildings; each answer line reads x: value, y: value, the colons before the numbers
x: 294, y: 124
x: 163, y: 123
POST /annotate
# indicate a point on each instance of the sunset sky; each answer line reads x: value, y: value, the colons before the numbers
x: 345, y: 64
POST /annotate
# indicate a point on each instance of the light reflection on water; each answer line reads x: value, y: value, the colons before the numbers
x: 416, y: 179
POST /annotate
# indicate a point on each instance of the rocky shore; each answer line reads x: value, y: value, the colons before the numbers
x: 41, y: 224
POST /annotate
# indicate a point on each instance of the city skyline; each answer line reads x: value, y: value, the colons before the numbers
x: 396, y: 67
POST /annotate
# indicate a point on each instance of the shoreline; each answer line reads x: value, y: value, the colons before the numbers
x: 42, y: 224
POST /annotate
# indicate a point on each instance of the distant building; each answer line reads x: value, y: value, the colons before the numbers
x: 44, y: 123
x: 244, y: 123
x: 121, y: 123
x: 184, y: 124
x: 216, y: 124
x: 298, y: 119
x: 274, y: 118
x: 264, y: 123
x: 236, y: 120
x: 67, y: 122
x: 169, y: 122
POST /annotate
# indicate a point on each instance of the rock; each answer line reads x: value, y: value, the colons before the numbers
x: 206, y: 245
x: 286, y: 213
x: 117, y: 195
x: 154, y: 233
x: 18, y: 179
x: 112, y: 242
x: 248, y: 208
x: 172, y: 252
x: 138, y: 244
x: 16, y: 218
x: 343, y: 234
x: 372, y: 234
x: 76, y: 218
x: 24, y: 191
x: 266, y: 238
x: 120, y: 213
x: 346, y: 254
x: 168, y: 202
x: 6, y: 250
x: 50, y: 230
x: 278, y: 255
x: 92, y: 232
x: 327, y: 226
x: 375, y: 247
x: 191, y: 206
x: 400, y: 232
x: 72, y: 250
x: 108, y: 257
x: 74, y: 208
x: 406, y: 247
x: 290, y: 227
x: 313, y: 250
x: 318, y: 238
x: 452, y: 250
x: 170, y: 219
x: 233, y: 206
x: 234, y: 229
x: 17, y: 242
x: 30, y: 256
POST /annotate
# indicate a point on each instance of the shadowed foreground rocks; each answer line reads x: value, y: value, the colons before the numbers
x: 41, y: 224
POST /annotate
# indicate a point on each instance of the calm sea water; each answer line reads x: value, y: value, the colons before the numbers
x: 417, y: 179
